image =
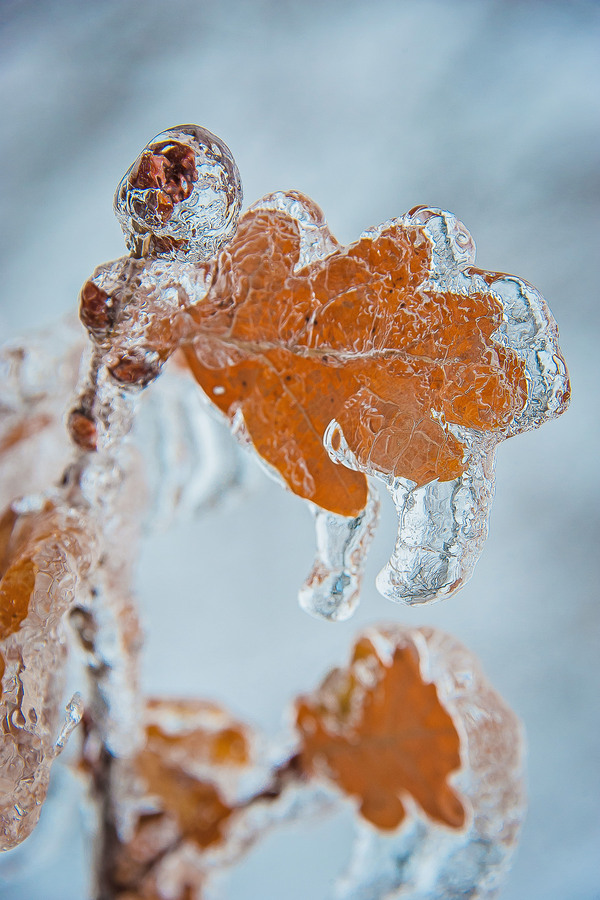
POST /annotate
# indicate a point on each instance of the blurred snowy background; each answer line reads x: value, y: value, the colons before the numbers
x: 486, y: 108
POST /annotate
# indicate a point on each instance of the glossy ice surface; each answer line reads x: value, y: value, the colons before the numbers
x: 44, y: 551
x: 423, y: 859
x: 393, y: 357
x: 410, y: 736
x: 181, y: 198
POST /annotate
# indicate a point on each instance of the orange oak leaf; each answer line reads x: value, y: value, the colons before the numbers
x: 197, y: 805
x: 393, y: 357
x: 191, y: 749
x: 44, y: 550
x: 21, y: 538
x: 379, y: 731
x: 188, y: 743
x: 294, y: 338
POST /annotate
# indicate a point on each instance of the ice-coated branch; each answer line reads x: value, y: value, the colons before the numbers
x: 393, y: 359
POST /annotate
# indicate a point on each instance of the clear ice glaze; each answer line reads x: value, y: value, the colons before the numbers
x: 393, y: 359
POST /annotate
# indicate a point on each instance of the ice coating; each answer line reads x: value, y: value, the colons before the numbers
x: 181, y: 197
x: 332, y: 589
x: 356, y: 337
x: 147, y: 304
x: 442, y: 527
x: 392, y: 357
x: 177, y: 205
x: 45, y: 552
x: 410, y: 735
x: 205, y: 798
x: 425, y: 862
x: 379, y: 731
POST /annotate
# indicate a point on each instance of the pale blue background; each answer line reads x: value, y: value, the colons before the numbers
x: 489, y: 109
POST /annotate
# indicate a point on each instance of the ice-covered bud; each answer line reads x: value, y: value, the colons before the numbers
x: 181, y: 198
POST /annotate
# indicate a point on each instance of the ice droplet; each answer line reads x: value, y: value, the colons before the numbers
x: 337, y: 447
x: 74, y: 710
x: 332, y: 589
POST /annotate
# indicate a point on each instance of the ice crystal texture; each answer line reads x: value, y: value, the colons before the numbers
x: 410, y: 736
x: 458, y: 838
x: 181, y: 198
x: 44, y: 550
x: 392, y: 358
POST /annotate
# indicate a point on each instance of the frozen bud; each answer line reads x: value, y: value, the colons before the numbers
x: 181, y: 198
x: 83, y: 431
x: 95, y: 308
x: 138, y: 367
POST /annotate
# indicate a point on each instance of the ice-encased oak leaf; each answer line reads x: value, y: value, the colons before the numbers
x: 45, y: 550
x: 187, y: 744
x: 21, y: 537
x: 192, y: 750
x: 358, y: 336
x: 379, y: 731
x: 393, y: 357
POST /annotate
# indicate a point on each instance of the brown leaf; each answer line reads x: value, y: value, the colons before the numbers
x: 358, y: 337
x: 181, y: 736
x: 21, y: 537
x: 379, y: 732
x: 197, y: 805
